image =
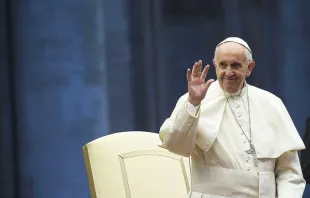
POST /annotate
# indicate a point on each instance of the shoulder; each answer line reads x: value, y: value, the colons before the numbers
x: 270, y: 105
x: 184, y: 97
x: 264, y: 95
x: 268, y: 101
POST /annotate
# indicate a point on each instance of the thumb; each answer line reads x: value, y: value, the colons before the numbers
x: 208, y: 83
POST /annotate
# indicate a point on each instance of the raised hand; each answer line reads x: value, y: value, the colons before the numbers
x: 197, y: 87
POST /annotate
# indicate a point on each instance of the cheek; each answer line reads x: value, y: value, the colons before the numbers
x: 240, y: 75
x: 220, y: 74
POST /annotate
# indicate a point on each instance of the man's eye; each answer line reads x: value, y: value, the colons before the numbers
x: 222, y: 66
x: 236, y: 66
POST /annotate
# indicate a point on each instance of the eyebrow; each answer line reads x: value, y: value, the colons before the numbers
x: 233, y: 63
x: 236, y: 63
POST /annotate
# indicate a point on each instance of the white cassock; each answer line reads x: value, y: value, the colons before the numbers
x: 212, y: 137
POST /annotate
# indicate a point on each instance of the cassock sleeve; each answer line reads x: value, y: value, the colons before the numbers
x: 178, y: 132
x: 289, y: 177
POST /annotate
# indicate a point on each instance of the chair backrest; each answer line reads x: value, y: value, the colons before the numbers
x: 132, y: 165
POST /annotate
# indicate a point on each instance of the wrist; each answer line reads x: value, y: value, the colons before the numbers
x: 193, y: 102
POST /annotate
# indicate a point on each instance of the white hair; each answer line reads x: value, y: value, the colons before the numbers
x: 247, y: 53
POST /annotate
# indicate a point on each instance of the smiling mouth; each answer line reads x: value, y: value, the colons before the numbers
x: 229, y: 78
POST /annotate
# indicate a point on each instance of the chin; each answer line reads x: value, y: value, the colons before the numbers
x: 230, y: 88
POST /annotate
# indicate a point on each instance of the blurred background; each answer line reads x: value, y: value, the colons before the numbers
x: 73, y: 71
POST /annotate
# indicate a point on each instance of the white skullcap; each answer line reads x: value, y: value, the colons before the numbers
x: 236, y: 40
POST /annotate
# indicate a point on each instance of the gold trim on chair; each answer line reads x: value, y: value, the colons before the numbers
x: 124, y: 156
x: 89, y: 173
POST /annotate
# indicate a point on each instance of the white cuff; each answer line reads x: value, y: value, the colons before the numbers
x: 191, y: 109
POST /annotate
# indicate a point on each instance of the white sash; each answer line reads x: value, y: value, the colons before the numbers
x: 215, y: 182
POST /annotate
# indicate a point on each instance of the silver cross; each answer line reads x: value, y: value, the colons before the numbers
x: 252, y: 152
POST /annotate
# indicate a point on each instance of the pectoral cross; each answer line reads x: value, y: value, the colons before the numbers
x: 252, y: 152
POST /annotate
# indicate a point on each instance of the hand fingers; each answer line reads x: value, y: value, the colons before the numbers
x: 197, y: 69
x: 188, y: 75
x: 208, y: 83
x: 205, y: 72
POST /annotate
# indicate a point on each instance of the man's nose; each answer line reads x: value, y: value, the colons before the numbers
x: 229, y: 73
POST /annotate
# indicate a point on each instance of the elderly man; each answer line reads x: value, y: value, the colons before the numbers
x: 241, y: 139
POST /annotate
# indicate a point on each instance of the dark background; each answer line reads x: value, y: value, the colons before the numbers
x: 75, y: 70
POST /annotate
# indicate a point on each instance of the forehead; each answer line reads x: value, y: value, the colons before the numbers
x: 231, y: 52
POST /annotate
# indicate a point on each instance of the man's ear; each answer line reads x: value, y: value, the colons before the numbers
x: 214, y: 62
x: 250, y: 68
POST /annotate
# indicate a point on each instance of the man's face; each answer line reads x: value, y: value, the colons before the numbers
x: 232, y: 66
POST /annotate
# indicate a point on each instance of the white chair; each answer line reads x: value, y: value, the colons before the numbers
x: 132, y: 165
